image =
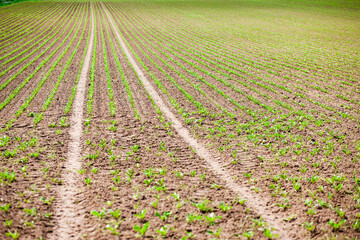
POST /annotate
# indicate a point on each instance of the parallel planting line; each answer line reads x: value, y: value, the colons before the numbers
x: 70, y: 217
x: 253, y: 201
x: 29, y: 37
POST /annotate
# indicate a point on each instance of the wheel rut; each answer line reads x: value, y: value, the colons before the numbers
x: 255, y: 202
x: 68, y: 214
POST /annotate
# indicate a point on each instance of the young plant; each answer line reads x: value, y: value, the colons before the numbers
x: 268, y: 233
x: 5, y: 207
x: 215, y: 234
x: 116, y: 214
x: 141, y: 230
x: 14, y: 235
x: 164, y: 216
x: 224, y: 207
x: 48, y: 202
x: 340, y: 212
x: 190, y: 218
x: 336, y: 226
x: 163, y: 231
x: 212, y: 218
x: 8, y: 223
x: 248, y: 234
x: 141, y: 215
x: 87, y: 181
x: 113, y: 228
x: 30, y: 212
x: 155, y: 203
x: 309, y: 226
x: 176, y: 196
x: 204, y: 206
x: 100, y: 214
x: 284, y: 205
x: 311, y: 211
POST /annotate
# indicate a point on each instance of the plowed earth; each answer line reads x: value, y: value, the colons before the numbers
x: 192, y: 127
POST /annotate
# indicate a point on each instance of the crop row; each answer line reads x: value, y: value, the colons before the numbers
x: 28, y: 38
x: 42, y: 81
x: 187, y: 37
x: 278, y: 143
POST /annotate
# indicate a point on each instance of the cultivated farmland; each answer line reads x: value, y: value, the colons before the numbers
x: 180, y: 119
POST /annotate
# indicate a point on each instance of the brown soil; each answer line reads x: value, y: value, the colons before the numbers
x: 191, y: 171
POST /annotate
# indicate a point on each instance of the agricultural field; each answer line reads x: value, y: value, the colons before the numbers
x: 164, y: 119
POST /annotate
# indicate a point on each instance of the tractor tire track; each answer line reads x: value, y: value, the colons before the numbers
x: 69, y: 215
x: 255, y: 202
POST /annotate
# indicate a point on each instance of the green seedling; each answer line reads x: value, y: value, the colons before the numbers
x: 48, y: 202
x: 259, y: 222
x: 309, y: 226
x: 30, y: 212
x: 190, y: 218
x: 5, y: 208
x: 356, y: 225
x: 113, y: 228
x: 129, y: 173
x: 290, y: 218
x: 7, y: 177
x: 116, y: 214
x: 340, y: 212
x: 117, y: 179
x: 248, y: 234
x: 141, y: 215
x: 202, y: 176
x: 211, y: 218
x: 311, y: 211
x: 141, y: 230
x: 48, y: 215
x: 148, y: 172
x: 162, y: 171
x: 248, y: 175
x: 179, y: 174
x: 135, y: 148
x: 155, y: 203
x: 284, y: 205
x: 215, y: 186
x: 204, y: 206
x: 336, y: 226
x: 164, y: 216
x: 148, y: 181
x: 100, y: 214
x: 163, y: 231
x: 188, y: 235
x: 115, y: 172
x: 239, y: 200
x: 162, y: 146
x: 215, y: 234
x: 8, y: 223
x: 176, y: 196
x: 268, y: 233
x: 14, y: 235
x: 224, y: 207
x: 87, y: 181
x: 323, y: 204
x: 93, y: 156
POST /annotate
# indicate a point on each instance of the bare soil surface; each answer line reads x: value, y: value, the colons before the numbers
x: 162, y: 127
